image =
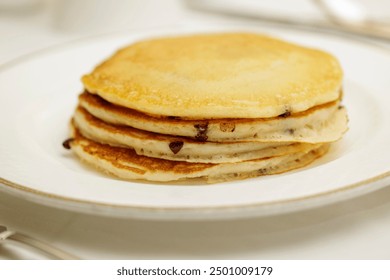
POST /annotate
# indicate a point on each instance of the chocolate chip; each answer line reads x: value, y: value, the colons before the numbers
x: 262, y: 171
x: 173, y: 118
x: 340, y: 107
x: 227, y: 127
x: 290, y: 131
x: 285, y: 114
x: 66, y: 143
x: 176, y: 146
x: 201, y: 138
x: 202, y: 131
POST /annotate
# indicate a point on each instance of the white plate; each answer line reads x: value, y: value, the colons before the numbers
x: 39, y: 93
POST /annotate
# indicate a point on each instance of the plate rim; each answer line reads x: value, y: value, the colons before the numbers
x: 174, y: 213
x: 133, y: 211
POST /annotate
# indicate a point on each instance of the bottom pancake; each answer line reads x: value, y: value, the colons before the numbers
x: 126, y: 164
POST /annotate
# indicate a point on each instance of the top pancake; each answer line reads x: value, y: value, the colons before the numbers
x: 229, y: 75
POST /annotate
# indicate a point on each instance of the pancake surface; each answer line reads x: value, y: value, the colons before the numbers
x: 214, y: 107
x: 126, y: 164
x: 178, y: 148
x: 323, y: 123
x: 232, y: 75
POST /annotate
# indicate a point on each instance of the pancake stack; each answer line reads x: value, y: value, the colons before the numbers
x: 214, y: 106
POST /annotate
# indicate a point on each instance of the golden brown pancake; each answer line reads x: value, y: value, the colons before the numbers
x: 227, y: 75
x: 126, y: 164
x: 211, y: 106
x: 324, y: 123
x: 177, y: 148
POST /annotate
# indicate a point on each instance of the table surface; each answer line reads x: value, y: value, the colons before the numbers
x: 355, y: 229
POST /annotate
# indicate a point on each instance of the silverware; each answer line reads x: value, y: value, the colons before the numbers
x: 352, y: 17
x: 10, y: 235
x: 343, y: 16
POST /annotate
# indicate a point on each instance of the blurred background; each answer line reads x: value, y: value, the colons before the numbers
x: 29, y: 25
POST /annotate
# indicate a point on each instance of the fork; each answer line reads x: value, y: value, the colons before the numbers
x: 6, y: 234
